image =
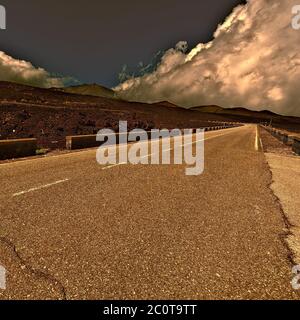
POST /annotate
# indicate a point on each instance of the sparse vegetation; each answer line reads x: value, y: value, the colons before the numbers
x: 42, y: 151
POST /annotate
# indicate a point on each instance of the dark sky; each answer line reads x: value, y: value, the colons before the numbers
x: 91, y: 39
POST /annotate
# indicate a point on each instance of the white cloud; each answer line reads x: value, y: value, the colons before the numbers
x: 24, y: 72
x: 253, y: 61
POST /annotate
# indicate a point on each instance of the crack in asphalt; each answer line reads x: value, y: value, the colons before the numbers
x: 288, y: 225
x: 33, y: 271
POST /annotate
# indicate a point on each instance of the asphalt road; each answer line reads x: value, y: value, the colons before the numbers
x: 72, y: 229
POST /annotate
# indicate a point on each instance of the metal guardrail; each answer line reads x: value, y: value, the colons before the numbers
x: 296, y: 145
x: 90, y: 141
x: 289, y: 140
x: 19, y: 148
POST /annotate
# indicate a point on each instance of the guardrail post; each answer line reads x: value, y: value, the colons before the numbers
x: 296, y: 146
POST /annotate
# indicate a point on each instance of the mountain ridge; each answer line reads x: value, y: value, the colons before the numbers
x: 51, y: 114
x: 93, y: 89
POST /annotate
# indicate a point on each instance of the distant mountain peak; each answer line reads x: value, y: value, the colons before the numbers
x: 93, y: 89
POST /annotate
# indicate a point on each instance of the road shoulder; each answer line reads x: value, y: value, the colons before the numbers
x: 286, y: 186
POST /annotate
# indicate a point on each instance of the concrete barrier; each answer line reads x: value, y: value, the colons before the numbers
x: 19, y: 148
x: 86, y: 141
x: 90, y: 141
x: 296, y: 146
x: 82, y: 142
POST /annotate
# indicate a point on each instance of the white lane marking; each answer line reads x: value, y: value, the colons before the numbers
x: 76, y: 152
x: 40, y: 187
x: 261, y: 144
x: 148, y: 155
x: 220, y: 135
x: 256, y: 146
x: 113, y: 165
x: 165, y: 150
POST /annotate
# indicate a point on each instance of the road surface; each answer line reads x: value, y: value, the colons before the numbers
x: 72, y: 229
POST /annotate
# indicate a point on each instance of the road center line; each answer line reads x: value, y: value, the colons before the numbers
x: 220, y: 135
x: 113, y: 165
x: 40, y: 187
x: 256, y: 145
x: 151, y: 154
